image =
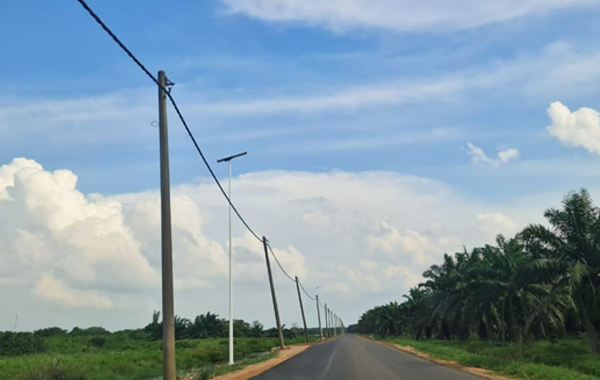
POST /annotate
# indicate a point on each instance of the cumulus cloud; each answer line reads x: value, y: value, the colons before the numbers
x: 399, y: 15
x: 478, y: 155
x: 65, y: 244
x: 63, y: 252
x: 51, y: 225
x: 579, y: 128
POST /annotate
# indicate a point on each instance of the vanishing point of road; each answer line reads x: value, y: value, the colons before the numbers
x: 351, y: 358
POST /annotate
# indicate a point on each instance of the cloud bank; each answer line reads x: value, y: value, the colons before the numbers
x: 364, y: 236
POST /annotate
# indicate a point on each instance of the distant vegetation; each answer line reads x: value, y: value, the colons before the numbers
x: 541, y: 285
x: 97, y: 354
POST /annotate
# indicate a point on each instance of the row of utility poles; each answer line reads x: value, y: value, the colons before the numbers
x: 332, y: 321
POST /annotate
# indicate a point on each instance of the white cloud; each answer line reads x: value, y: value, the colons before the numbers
x: 318, y: 219
x: 490, y: 225
x: 348, y: 99
x: 404, y: 274
x: 62, y: 253
x: 51, y: 289
x: 579, y: 128
x: 420, y: 249
x: 508, y: 154
x: 478, y: 155
x: 399, y: 15
x: 54, y: 226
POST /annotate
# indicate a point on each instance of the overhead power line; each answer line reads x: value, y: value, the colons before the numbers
x: 187, y: 129
x: 279, y: 264
x: 305, y: 292
x: 174, y: 103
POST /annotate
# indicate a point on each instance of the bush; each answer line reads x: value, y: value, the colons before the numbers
x: 97, y: 341
x: 21, y: 343
x: 90, y: 331
x: 50, y: 332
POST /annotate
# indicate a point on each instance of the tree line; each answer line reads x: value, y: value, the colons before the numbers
x: 203, y: 326
x: 543, y: 283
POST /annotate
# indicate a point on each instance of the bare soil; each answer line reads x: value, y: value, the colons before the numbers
x: 258, y: 368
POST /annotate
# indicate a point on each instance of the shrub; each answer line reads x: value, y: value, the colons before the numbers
x: 20, y: 343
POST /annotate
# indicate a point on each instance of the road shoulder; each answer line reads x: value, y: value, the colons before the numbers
x: 487, y: 374
x: 254, y: 370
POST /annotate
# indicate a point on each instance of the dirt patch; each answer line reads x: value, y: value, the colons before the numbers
x: 487, y: 374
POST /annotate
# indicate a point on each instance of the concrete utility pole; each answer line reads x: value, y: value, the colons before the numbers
x: 228, y: 160
x: 302, y: 310
x: 319, y: 318
x: 333, y: 324
x: 326, y: 321
x: 169, y: 369
x: 275, y: 308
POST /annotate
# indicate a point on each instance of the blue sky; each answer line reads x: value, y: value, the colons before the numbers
x: 340, y: 88
x: 217, y: 58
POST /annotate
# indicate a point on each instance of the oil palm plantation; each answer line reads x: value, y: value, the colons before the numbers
x: 571, y: 249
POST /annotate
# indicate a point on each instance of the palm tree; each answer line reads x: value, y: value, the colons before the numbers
x: 572, y: 251
x: 256, y: 330
x: 390, y: 320
x: 181, y: 327
x: 155, y: 327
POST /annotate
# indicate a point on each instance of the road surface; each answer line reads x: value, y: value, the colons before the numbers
x: 353, y: 358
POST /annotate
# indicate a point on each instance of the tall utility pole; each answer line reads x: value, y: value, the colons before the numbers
x: 331, y: 315
x: 326, y: 321
x: 169, y: 370
x: 228, y: 160
x: 335, y: 325
x: 302, y: 310
x: 275, y: 308
x: 319, y: 317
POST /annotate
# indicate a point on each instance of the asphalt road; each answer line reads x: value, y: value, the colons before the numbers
x: 353, y: 358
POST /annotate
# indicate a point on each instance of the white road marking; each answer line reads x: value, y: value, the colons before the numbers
x: 328, y: 367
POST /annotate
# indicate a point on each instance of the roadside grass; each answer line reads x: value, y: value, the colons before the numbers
x: 131, y: 360
x: 569, y: 359
x: 222, y: 369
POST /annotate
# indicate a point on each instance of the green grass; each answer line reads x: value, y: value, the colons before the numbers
x: 127, y: 360
x: 569, y: 359
x: 221, y: 369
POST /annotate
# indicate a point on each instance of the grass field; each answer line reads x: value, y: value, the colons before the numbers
x: 78, y: 359
x: 570, y: 359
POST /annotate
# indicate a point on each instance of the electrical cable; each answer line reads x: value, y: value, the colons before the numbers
x: 187, y: 129
x: 305, y: 292
x: 279, y: 264
x: 174, y: 103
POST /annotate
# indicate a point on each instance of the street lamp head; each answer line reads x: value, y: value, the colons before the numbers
x: 229, y: 158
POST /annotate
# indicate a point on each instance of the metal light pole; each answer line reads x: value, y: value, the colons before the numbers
x: 228, y: 160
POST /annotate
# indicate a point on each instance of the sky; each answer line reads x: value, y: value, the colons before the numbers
x: 381, y: 134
